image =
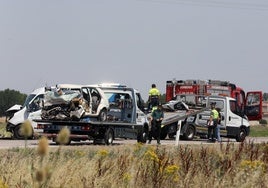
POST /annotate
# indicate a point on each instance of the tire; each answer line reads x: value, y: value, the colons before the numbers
x: 142, y: 137
x: 189, y: 133
x: 103, y: 115
x: 163, y: 133
x: 109, y: 137
x: 17, y: 133
x: 242, y: 135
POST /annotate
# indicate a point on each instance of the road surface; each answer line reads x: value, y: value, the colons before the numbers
x: 8, y: 143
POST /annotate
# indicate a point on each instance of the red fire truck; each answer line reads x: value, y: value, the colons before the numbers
x: 193, y: 93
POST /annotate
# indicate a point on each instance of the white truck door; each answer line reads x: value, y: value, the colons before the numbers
x: 233, y: 118
x: 141, y: 118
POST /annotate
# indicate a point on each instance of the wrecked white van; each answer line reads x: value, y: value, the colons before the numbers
x: 31, y: 109
x: 34, y: 107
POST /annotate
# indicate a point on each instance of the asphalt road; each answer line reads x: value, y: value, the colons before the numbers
x: 8, y: 143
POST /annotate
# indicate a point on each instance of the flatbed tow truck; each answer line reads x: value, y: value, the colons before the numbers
x: 93, y: 130
x: 234, y: 122
x: 125, y: 119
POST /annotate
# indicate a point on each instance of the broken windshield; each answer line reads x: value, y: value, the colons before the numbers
x: 28, y: 99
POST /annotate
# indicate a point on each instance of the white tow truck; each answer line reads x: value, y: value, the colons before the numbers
x: 125, y: 119
x: 234, y: 122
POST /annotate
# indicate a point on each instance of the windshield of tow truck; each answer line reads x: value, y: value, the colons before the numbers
x: 219, y: 103
x: 114, y: 97
x: 192, y: 99
x: 28, y: 99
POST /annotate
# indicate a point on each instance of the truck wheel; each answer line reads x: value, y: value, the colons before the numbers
x: 103, y: 115
x: 242, y: 135
x: 142, y: 137
x: 109, y: 137
x: 17, y: 133
x: 189, y: 133
x: 163, y: 133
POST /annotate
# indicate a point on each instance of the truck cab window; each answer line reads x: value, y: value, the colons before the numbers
x: 234, y: 107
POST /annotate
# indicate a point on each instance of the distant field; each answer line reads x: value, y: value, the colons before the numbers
x: 2, y: 119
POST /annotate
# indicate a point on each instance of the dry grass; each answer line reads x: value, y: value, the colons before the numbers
x: 228, y: 165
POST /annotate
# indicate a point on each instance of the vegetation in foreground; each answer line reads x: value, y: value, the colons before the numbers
x: 219, y: 165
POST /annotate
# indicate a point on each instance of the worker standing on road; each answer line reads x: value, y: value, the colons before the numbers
x: 213, y: 122
x: 218, y: 133
x: 157, y: 117
x: 154, y: 97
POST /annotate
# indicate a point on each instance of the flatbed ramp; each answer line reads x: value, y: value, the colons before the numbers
x: 174, y: 117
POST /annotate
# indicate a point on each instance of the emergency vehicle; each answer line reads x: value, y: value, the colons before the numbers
x: 193, y: 91
x: 234, y: 123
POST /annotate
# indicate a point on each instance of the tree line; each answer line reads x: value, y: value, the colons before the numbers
x: 8, y: 98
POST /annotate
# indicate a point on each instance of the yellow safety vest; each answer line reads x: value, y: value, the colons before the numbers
x: 154, y: 92
x: 214, y: 114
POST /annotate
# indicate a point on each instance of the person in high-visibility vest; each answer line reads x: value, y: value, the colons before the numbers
x: 213, y: 122
x: 154, y: 97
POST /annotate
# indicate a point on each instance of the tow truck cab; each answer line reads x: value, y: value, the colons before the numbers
x: 234, y: 122
x: 125, y: 104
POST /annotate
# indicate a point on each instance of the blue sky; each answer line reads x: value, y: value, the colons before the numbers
x: 133, y: 42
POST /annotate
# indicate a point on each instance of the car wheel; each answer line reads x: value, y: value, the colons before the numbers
x: 103, y: 115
